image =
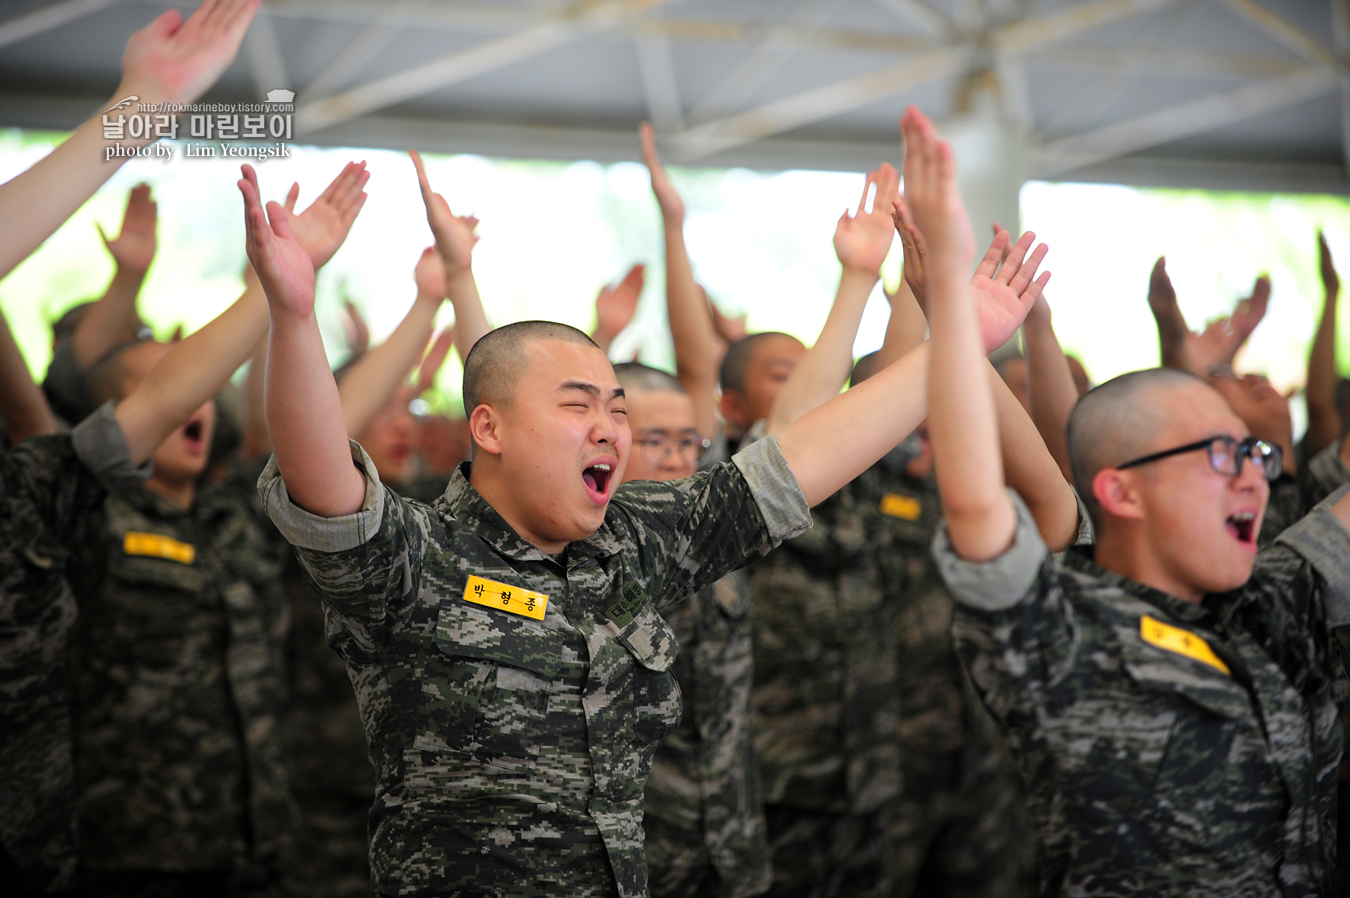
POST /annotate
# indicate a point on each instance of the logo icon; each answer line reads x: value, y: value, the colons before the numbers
x: 280, y: 95
x: 122, y: 104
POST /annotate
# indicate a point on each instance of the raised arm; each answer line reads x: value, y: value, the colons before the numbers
x: 22, y: 405
x: 962, y: 422
x: 1180, y: 347
x: 905, y: 329
x: 1324, y: 418
x: 255, y: 440
x: 374, y: 377
x: 455, y: 240
x: 1005, y: 281
x: 113, y: 318
x: 616, y: 305
x: 690, y: 317
x: 304, y: 413
x: 1050, y: 383
x: 168, y: 61
x: 861, y: 241
x: 197, y: 367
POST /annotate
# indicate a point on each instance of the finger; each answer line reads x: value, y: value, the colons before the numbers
x: 997, y: 251
x: 1036, y: 290
x: 648, y: 137
x: 1028, y: 270
x: 1013, y: 261
x: 352, y: 181
x: 281, y: 224
x: 868, y: 183
x: 291, y: 196
x: 421, y: 174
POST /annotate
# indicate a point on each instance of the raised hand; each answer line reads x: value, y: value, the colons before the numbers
x: 730, y: 328
x: 283, y: 265
x: 355, y: 329
x: 863, y: 240
x: 134, y: 247
x: 672, y: 207
x: 454, y: 234
x: 323, y: 227
x: 173, y: 61
x: 617, y: 304
x: 1005, y: 283
x: 434, y: 359
x: 1330, y: 279
x: 1249, y: 313
x: 1006, y: 286
x: 429, y: 274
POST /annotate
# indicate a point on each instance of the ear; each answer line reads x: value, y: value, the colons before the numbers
x: 732, y: 406
x: 484, y: 425
x: 1115, y: 492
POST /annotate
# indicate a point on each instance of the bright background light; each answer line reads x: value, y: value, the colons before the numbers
x: 554, y: 233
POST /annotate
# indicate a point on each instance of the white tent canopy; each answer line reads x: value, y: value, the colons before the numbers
x: 1231, y: 94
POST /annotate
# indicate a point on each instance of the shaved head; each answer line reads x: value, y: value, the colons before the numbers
x: 736, y: 363
x: 497, y: 361
x: 1122, y: 420
x: 634, y: 376
x: 864, y: 368
x: 114, y: 376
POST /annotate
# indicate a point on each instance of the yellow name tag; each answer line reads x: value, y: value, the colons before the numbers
x: 902, y: 507
x: 1183, y: 642
x: 153, y: 545
x: 505, y: 597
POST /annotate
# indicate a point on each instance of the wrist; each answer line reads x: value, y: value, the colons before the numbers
x: 861, y: 272
x: 671, y: 218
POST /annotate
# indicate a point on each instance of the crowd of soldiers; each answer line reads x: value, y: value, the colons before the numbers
x: 728, y: 631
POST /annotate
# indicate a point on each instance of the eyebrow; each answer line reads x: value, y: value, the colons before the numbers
x: 590, y: 388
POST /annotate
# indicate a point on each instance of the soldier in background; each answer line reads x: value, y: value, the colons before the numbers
x: 703, y: 809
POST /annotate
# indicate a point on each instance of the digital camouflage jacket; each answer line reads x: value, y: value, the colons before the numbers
x: 514, y: 699
x: 1171, y: 748
x: 50, y: 487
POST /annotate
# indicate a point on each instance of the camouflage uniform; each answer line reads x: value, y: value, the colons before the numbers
x: 704, y: 821
x: 960, y: 825
x: 511, y: 753
x: 826, y: 708
x: 49, y: 486
x: 704, y: 807
x: 331, y: 778
x: 1172, y: 748
x: 179, y: 688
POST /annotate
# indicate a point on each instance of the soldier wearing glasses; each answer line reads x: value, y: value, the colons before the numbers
x: 704, y: 811
x: 1168, y: 692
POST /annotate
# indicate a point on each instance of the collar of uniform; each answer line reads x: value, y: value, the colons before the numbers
x: 463, y: 503
x: 1079, y: 558
x: 144, y: 499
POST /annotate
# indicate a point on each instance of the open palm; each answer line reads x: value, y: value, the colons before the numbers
x: 282, y: 264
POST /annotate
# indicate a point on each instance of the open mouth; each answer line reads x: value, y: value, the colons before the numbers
x: 596, y: 477
x: 1242, y: 526
x: 192, y: 432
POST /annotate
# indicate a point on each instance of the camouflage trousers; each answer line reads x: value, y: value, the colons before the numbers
x: 823, y: 855
x: 961, y: 830
x: 332, y: 858
x: 678, y: 865
x: 162, y: 884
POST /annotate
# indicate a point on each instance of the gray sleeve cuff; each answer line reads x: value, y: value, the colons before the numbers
x: 1326, y: 469
x: 775, y: 489
x: 309, y: 531
x: 1002, y: 582
x: 1324, y: 543
x: 101, y: 447
x: 1087, y: 534
x: 66, y: 385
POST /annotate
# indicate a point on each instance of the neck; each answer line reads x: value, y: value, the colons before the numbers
x: 180, y: 493
x: 487, y: 477
x: 1132, y: 558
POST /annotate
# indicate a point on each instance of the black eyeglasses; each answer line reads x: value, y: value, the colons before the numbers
x: 1225, y: 455
x: 656, y: 447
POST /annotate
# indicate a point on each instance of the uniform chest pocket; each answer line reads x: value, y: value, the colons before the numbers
x: 656, y: 694
x: 488, y: 692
